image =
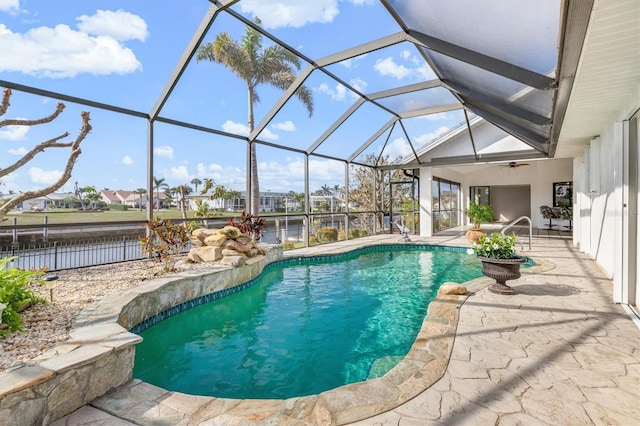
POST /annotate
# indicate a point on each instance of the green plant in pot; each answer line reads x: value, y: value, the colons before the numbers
x: 479, y: 214
x: 499, y: 260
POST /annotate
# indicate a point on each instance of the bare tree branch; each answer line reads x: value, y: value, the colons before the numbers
x: 21, y: 122
x: 66, y: 175
x: 4, y: 106
x: 51, y: 143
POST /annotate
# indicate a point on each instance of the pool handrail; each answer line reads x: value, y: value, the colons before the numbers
x: 516, y: 221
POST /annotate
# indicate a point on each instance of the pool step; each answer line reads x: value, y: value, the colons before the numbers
x: 381, y: 366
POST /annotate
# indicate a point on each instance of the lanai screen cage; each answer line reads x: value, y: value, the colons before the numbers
x: 335, y: 104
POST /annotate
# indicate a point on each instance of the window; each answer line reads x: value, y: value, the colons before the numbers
x: 445, y: 204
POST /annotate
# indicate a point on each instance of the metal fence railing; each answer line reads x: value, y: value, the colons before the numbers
x: 58, y: 255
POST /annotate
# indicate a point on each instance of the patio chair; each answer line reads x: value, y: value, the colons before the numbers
x: 549, y: 213
x: 566, y: 213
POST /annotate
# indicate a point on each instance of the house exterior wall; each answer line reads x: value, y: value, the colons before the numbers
x: 602, y: 197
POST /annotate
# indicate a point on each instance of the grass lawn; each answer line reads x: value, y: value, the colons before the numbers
x: 77, y: 216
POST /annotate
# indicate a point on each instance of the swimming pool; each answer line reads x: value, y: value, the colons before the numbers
x: 303, y: 326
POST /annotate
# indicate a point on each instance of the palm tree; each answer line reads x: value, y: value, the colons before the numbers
x: 195, y: 182
x: 140, y: 191
x: 208, y: 184
x: 219, y: 192
x: 233, y: 195
x: 325, y: 190
x: 159, y: 183
x: 298, y: 197
x: 181, y: 195
x: 273, y: 65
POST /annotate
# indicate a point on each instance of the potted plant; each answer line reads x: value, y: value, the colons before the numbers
x: 478, y: 213
x: 499, y: 261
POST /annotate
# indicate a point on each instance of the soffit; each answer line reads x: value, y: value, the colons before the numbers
x: 608, y: 75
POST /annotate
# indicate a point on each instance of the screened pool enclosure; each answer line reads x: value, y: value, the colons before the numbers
x: 335, y: 105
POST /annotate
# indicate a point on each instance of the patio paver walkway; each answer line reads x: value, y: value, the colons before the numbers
x: 558, y: 352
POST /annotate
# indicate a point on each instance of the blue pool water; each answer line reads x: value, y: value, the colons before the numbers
x: 306, y: 326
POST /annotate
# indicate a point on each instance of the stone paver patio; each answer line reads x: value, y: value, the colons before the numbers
x: 558, y: 352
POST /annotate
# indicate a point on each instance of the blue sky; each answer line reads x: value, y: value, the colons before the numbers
x: 123, y: 53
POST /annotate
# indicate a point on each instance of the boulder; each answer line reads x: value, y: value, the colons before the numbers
x: 216, y: 240
x: 452, y: 288
x: 202, y: 233
x: 205, y: 254
x: 230, y: 231
x: 196, y: 242
x: 232, y: 253
x: 238, y: 246
x: 233, y: 261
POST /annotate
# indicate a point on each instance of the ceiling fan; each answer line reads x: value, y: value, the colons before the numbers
x: 514, y: 165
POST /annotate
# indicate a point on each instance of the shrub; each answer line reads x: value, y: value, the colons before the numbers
x: 497, y: 246
x: 327, y: 235
x: 288, y: 245
x: 249, y: 224
x: 164, y: 241
x: 480, y: 213
x: 16, y: 294
x: 357, y: 233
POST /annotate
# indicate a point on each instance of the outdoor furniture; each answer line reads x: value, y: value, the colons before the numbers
x: 550, y: 213
x: 562, y: 213
x: 566, y: 213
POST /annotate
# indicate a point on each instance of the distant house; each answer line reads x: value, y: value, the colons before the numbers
x: 56, y: 200
x: 269, y: 202
x: 128, y: 198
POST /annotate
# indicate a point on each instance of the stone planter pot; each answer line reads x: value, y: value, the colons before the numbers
x: 474, y: 234
x: 501, y: 270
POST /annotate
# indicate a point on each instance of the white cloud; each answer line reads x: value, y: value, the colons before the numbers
x: 405, y: 54
x: 230, y: 177
x: 387, y: 66
x: 164, y: 151
x: 286, y: 126
x: 180, y: 173
x: 10, y: 6
x: 20, y: 151
x: 425, y: 72
x: 359, y: 84
x: 127, y: 161
x: 13, y: 133
x: 119, y: 25
x: 39, y: 176
x: 428, y: 137
x: 235, y: 128
x: 268, y: 135
x: 63, y: 52
x: 398, y: 148
x: 352, y: 62
x: 337, y: 94
x: 291, y: 13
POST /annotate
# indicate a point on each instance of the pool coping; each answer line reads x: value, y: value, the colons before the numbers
x: 99, y: 355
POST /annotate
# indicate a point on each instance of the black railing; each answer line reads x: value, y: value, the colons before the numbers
x: 58, y: 255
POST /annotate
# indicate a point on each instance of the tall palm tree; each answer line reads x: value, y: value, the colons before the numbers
x: 219, y: 192
x: 256, y: 65
x: 232, y: 194
x: 159, y: 183
x: 140, y: 191
x: 195, y: 182
x: 325, y: 190
x: 208, y: 184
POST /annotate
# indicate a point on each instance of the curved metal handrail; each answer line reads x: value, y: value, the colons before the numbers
x: 516, y: 221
